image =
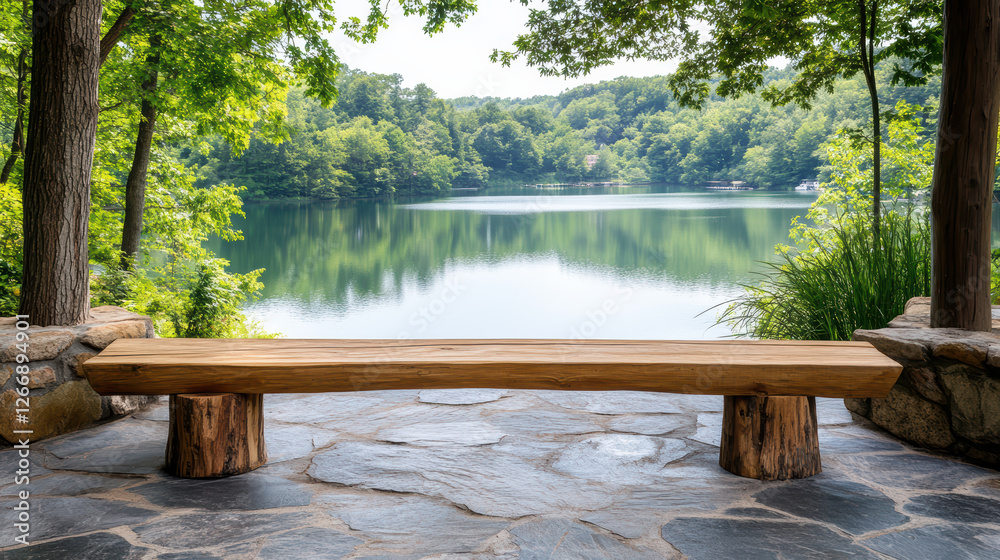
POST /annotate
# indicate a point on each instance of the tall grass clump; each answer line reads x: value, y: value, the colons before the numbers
x: 841, y: 275
x: 848, y: 282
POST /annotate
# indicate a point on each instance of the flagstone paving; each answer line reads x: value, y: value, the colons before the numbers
x: 497, y: 474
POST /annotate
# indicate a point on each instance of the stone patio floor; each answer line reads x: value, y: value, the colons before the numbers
x: 498, y: 474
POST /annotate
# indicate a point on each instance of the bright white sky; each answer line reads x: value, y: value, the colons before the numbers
x: 456, y: 62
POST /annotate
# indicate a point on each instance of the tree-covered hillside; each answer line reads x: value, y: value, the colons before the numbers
x: 380, y: 138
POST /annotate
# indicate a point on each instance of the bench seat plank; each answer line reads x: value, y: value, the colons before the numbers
x: 719, y: 367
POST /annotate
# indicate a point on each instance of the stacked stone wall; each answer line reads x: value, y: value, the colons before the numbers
x: 948, y: 396
x: 60, y: 399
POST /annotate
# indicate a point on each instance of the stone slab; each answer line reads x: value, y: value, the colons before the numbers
x: 314, y: 543
x: 712, y: 539
x: 611, y: 402
x: 562, y: 539
x: 475, y: 477
x: 852, y: 507
x: 250, y: 491
x: 69, y: 484
x: 698, y: 484
x: 954, y: 542
x: 442, y: 433
x: 145, y: 457
x: 836, y: 441
x: 100, y: 336
x: 113, y: 434
x: 415, y: 524
x: 832, y: 412
x: 96, y: 546
x: 709, y: 429
x: 624, y: 459
x: 212, y: 529
x: 912, y: 472
x: 63, y: 517
x: 651, y: 424
x: 534, y: 423
x: 955, y: 508
x: 286, y: 442
x: 461, y: 396
x: 43, y: 345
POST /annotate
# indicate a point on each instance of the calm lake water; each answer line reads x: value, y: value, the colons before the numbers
x: 627, y: 262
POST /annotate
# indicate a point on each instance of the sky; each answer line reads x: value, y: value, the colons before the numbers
x: 456, y: 62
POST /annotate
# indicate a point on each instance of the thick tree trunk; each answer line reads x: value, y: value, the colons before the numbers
x: 21, y: 98
x: 215, y: 435
x: 770, y: 438
x: 135, y: 185
x: 62, y: 123
x: 962, y: 185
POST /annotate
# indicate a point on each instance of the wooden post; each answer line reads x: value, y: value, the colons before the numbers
x: 215, y: 435
x: 962, y: 185
x: 770, y: 438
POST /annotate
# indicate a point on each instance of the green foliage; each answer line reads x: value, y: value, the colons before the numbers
x: 11, y: 241
x: 995, y: 276
x: 179, y: 219
x: 10, y: 287
x: 848, y: 282
x: 573, y: 37
x: 908, y: 159
x: 336, y: 152
x: 213, y: 306
x: 840, y: 277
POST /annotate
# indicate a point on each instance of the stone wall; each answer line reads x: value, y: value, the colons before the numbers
x: 60, y: 398
x: 948, y: 396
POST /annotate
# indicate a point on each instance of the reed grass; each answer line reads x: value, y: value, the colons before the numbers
x: 845, y: 282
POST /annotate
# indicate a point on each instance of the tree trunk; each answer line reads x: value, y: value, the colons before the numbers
x: 962, y: 184
x: 110, y: 38
x: 135, y: 185
x: 20, y: 96
x: 215, y: 435
x: 62, y: 124
x: 866, y: 46
x: 17, y: 140
x: 770, y: 438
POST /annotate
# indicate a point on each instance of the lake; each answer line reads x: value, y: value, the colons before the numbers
x: 618, y: 262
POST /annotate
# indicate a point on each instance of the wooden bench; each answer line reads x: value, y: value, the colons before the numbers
x: 216, y: 386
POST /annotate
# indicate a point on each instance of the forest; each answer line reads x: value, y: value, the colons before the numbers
x: 186, y: 127
x: 380, y: 138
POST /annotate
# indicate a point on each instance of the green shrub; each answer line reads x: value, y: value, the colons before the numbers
x: 841, y: 276
x: 111, y: 286
x: 10, y: 287
x: 11, y: 240
x: 995, y: 277
x: 845, y: 283
x: 213, y: 306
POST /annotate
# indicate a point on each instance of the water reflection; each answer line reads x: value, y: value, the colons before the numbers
x: 622, y: 264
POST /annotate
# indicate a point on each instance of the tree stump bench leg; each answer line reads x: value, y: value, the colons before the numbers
x: 215, y: 434
x: 770, y: 438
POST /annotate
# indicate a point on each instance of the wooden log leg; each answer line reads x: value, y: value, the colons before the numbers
x: 770, y: 438
x: 215, y: 435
